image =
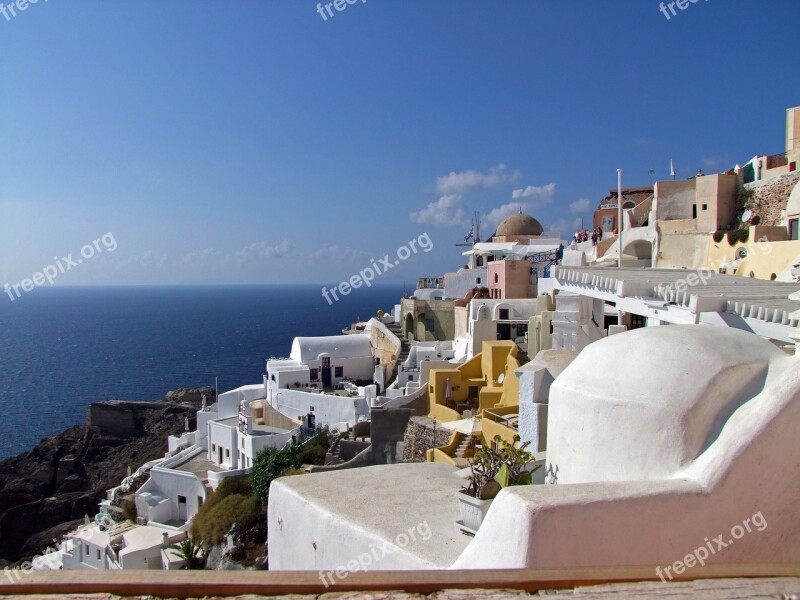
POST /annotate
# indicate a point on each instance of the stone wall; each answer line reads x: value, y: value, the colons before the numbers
x: 420, y: 437
x: 771, y: 197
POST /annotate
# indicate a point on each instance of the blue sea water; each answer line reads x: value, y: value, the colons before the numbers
x: 63, y: 348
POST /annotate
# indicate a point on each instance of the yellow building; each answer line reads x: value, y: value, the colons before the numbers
x: 488, y: 387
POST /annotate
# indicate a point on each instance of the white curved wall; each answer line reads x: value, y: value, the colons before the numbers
x: 749, y: 469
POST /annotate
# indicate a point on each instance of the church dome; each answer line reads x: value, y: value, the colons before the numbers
x: 519, y: 224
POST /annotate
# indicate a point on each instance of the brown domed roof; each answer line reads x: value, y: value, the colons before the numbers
x: 519, y: 224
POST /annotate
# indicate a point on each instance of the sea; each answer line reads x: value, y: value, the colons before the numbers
x: 62, y: 348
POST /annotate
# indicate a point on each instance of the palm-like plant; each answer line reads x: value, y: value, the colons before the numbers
x: 493, y: 469
x: 192, y: 554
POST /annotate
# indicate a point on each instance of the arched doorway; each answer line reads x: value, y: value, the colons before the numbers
x: 409, y: 326
x: 641, y: 249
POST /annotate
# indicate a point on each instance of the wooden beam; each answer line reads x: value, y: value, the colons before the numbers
x: 183, y: 584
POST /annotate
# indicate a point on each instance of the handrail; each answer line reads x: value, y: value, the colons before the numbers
x: 185, y: 584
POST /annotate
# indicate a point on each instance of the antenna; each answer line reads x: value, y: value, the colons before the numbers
x: 474, y: 235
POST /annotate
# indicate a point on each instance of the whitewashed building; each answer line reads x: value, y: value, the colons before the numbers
x: 325, y: 379
x: 230, y: 434
x: 95, y: 547
x: 488, y: 320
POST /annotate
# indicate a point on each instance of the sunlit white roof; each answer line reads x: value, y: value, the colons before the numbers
x: 341, y: 346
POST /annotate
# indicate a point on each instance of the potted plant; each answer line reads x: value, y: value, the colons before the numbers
x: 492, y: 469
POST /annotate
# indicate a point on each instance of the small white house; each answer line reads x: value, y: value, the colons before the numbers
x: 176, y: 489
x: 489, y: 320
x: 94, y: 547
x: 333, y: 359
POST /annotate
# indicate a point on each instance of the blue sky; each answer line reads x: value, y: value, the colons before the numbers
x: 254, y: 142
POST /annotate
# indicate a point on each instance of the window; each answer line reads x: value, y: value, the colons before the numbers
x: 181, y: 499
x: 213, y: 447
x: 314, y: 374
x: 429, y: 325
x: 694, y: 211
x: 86, y: 550
x: 496, y: 278
x: 98, y: 554
x: 793, y: 227
x: 705, y: 206
x: 477, y: 280
x: 326, y: 362
x: 504, y: 314
x: 637, y: 322
x: 227, y: 453
x: 199, y: 501
x: 522, y: 330
x: 339, y: 372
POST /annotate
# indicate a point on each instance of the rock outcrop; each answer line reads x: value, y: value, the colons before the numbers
x: 63, y: 478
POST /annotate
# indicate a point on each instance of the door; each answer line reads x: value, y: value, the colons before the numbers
x: 326, y: 372
x: 503, y: 331
x: 182, y: 508
x: 219, y: 455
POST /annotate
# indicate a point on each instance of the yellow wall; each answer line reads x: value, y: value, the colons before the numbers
x: 492, y: 428
x: 763, y: 258
x: 481, y: 371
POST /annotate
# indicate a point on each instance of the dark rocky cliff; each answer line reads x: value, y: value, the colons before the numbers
x: 46, y: 491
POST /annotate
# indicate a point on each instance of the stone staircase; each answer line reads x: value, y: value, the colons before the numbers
x: 333, y: 456
x: 465, y: 442
x: 405, y: 348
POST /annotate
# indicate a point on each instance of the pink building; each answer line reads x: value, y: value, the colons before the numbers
x: 510, y: 279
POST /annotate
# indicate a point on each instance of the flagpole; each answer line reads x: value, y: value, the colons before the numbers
x: 619, y: 215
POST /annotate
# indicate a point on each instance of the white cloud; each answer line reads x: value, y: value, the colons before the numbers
x: 528, y: 200
x: 199, y: 258
x: 495, y: 216
x: 581, y: 205
x: 544, y: 192
x: 712, y: 162
x: 264, y: 250
x: 460, y: 183
x: 566, y: 228
x: 339, y: 253
x: 445, y: 212
x: 147, y: 259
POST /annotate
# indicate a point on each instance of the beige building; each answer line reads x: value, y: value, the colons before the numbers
x: 428, y: 320
x: 704, y: 204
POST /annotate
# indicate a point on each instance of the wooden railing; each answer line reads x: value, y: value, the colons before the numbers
x: 184, y: 584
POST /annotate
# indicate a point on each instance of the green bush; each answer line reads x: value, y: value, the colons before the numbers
x: 718, y: 235
x: 271, y: 464
x: 738, y: 236
x: 211, y: 523
x: 128, y: 507
x: 745, y: 197
x: 312, y: 455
